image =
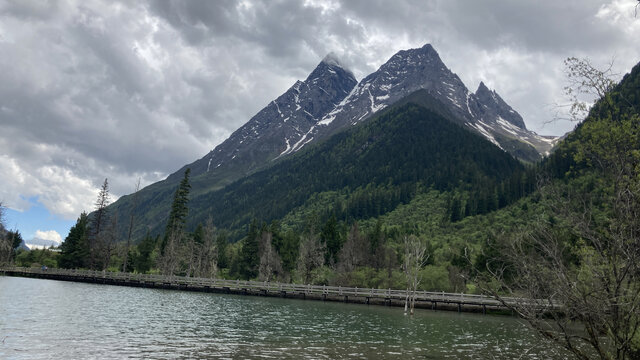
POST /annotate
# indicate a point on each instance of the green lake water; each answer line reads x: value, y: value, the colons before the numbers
x: 47, y: 319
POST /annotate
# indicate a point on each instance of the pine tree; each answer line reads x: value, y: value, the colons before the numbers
x: 99, y: 221
x: 249, y: 254
x: 174, y: 233
x: 74, y: 249
x: 331, y: 238
x: 179, y: 209
x: 143, y: 260
x: 221, y: 245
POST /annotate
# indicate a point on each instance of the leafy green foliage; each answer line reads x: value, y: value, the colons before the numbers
x: 37, y: 258
x: 143, y: 261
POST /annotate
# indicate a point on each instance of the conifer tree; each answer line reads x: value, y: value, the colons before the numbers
x: 331, y: 238
x: 249, y: 255
x: 143, y: 260
x: 174, y: 233
x: 221, y: 248
x: 99, y: 221
x: 179, y: 209
x: 74, y: 249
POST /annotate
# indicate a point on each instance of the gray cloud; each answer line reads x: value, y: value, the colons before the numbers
x: 127, y: 90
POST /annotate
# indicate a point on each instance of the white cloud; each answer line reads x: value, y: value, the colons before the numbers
x: 50, y: 235
x: 126, y: 90
x: 44, y: 239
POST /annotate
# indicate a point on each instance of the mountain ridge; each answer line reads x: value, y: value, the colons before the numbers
x: 410, y: 70
x: 329, y: 101
x: 399, y: 148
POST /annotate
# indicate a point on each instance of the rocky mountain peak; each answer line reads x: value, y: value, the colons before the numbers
x: 412, y: 59
x: 412, y: 70
x: 482, y: 88
x: 331, y: 66
x: 404, y: 73
x: 281, y: 123
x: 498, y: 107
x: 332, y: 60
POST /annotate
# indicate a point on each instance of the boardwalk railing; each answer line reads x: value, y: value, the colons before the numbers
x: 466, y: 302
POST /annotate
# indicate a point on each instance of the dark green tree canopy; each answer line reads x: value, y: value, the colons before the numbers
x: 74, y: 249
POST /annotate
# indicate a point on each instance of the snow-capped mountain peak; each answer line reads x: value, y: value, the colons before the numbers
x: 332, y: 60
x: 330, y: 99
x: 408, y: 71
x: 281, y: 123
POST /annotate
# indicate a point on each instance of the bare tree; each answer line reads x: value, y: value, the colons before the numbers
x: 415, y: 258
x: 354, y: 252
x: 2, y: 225
x: 99, y: 221
x: 585, y: 83
x: 208, y: 259
x: 270, y: 267
x: 5, y: 241
x: 108, y: 240
x: 169, y: 260
x: 310, y: 256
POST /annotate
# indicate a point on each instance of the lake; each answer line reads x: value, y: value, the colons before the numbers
x: 42, y: 319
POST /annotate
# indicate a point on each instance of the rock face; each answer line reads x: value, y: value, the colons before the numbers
x: 330, y: 99
x: 495, y: 117
x: 422, y: 69
x: 273, y: 130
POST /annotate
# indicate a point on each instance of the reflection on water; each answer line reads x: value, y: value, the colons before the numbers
x: 64, y: 320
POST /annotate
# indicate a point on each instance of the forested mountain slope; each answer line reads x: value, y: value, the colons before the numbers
x: 377, y: 165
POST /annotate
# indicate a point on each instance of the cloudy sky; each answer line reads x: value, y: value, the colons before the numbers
x: 136, y: 89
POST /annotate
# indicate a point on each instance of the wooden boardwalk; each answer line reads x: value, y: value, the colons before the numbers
x: 388, y: 297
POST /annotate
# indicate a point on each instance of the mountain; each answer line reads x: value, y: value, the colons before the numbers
x: 266, y: 135
x: 410, y: 70
x: 329, y: 101
x: 24, y: 246
x: 39, y: 243
x: 262, y: 139
x: 393, y: 155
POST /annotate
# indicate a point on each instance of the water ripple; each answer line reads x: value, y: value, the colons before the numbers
x: 46, y: 319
